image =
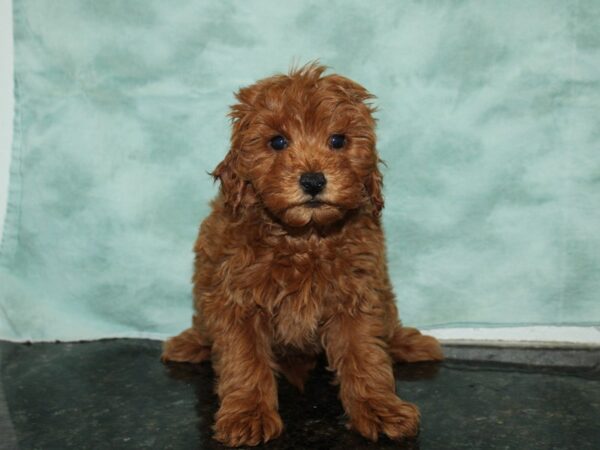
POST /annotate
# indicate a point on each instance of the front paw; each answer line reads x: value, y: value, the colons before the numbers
x: 388, y: 415
x: 236, y: 426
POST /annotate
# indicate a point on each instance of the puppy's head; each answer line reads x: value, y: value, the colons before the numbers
x: 303, y: 146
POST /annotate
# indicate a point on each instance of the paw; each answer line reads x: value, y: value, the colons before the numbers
x: 409, y: 345
x: 247, y: 427
x: 390, y: 416
x: 188, y: 346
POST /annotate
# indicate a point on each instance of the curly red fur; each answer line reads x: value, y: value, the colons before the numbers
x: 278, y: 281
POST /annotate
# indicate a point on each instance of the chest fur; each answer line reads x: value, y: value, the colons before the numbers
x: 304, y: 291
x: 298, y: 284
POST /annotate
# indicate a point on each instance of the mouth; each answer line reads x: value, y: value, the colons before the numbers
x: 313, y: 203
x: 311, y: 211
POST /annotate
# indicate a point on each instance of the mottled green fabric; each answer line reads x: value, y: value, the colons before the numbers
x: 489, y: 122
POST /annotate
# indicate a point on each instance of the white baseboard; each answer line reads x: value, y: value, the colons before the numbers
x: 534, y: 334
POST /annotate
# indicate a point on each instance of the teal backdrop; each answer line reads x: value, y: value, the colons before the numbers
x: 489, y: 122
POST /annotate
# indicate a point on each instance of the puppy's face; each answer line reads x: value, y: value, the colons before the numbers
x: 305, y: 146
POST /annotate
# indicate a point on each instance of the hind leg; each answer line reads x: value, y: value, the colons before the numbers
x: 188, y: 346
x: 409, y: 345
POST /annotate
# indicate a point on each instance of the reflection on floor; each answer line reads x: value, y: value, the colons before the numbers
x: 116, y: 394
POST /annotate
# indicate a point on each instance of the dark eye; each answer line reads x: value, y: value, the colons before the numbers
x: 337, y: 141
x: 278, y: 143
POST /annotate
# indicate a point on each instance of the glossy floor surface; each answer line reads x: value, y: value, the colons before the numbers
x: 116, y: 394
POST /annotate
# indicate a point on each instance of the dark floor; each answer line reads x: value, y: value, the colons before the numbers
x: 116, y: 394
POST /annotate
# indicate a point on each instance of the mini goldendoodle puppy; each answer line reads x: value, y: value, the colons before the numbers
x: 291, y: 263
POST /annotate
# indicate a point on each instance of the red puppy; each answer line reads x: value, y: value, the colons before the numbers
x: 291, y: 262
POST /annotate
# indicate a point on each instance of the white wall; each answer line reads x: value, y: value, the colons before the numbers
x: 6, y: 100
x: 583, y: 335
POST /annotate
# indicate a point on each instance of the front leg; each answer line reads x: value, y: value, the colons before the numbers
x: 246, y: 384
x: 357, y: 353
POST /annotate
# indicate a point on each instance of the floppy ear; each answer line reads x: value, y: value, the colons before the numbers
x: 232, y: 186
x: 374, y: 187
x: 360, y: 96
x: 235, y: 189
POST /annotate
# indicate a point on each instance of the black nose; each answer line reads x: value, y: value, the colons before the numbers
x: 312, y: 182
